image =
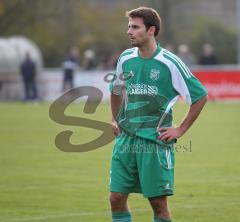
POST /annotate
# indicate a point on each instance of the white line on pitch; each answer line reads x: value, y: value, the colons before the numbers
x: 83, y: 214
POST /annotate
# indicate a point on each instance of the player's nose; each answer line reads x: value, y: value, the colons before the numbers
x: 129, y: 32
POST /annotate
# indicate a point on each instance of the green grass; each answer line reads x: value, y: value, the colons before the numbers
x: 38, y: 182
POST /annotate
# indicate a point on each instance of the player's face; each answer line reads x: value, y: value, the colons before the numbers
x: 137, y: 32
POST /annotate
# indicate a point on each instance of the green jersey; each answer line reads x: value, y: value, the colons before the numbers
x: 150, y: 87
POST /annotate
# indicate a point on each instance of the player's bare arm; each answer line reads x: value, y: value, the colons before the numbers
x: 170, y: 133
x: 116, y: 102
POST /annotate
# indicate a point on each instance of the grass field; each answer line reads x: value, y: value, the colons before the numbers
x: 38, y: 182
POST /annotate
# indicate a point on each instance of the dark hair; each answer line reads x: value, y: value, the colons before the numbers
x: 149, y: 16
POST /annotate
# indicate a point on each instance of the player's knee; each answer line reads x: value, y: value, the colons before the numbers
x: 159, y: 205
x: 117, y: 198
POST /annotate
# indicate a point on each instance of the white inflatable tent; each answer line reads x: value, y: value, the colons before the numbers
x: 12, y: 53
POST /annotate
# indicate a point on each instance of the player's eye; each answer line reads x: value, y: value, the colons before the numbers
x: 133, y: 26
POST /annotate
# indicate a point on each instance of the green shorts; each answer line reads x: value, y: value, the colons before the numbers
x: 142, y: 166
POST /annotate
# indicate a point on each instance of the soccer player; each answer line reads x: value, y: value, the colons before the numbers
x: 149, y: 80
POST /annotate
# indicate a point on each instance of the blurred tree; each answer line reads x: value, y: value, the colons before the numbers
x: 55, y: 25
x: 222, y: 38
x: 208, y: 30
x: 10, y: 11
x: 164, y: 9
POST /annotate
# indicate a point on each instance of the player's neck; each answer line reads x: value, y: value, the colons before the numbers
x: 148, y: 49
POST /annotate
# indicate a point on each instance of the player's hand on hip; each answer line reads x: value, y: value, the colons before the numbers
x: 169, y: 133
x: 115, y: 128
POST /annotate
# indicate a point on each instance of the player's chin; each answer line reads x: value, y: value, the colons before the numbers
x: 135, y: 44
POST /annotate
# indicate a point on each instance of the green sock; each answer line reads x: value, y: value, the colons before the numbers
x: 158, y: 219
x: 121, y: 217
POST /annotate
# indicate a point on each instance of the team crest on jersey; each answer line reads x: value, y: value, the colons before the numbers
x: 154, y: 74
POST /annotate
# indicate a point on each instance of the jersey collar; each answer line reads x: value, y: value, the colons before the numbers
x: 158, y: 49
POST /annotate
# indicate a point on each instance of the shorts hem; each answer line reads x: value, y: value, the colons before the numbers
x: 158, y: 194
x: 123, y: 191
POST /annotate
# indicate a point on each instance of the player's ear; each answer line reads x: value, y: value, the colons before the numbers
x: 152, y: 30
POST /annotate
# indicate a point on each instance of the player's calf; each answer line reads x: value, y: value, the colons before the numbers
x: 160, y: 209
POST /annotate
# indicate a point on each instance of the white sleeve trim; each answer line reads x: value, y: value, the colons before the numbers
x: 177, y: 79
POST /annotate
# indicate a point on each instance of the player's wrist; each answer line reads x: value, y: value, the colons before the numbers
x: 182, y: 129
x: 114, y: 120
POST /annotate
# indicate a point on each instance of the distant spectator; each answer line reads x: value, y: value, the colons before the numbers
x: 208, y: 57
x: 185, y: 55
x: 89, y: 60
x: 28, y: 72
x: 70, y: 64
